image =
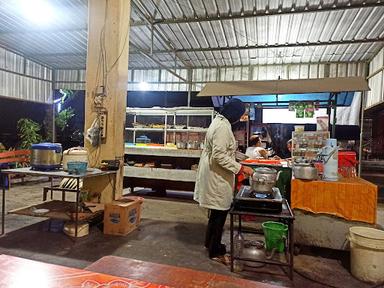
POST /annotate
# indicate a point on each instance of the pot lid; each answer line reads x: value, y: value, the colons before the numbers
x: 303, y: 164
x: 265, y: 170
x: 76, y: 151
x: 46, y: 146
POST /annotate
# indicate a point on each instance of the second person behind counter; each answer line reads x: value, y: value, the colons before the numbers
x: 255, y: 149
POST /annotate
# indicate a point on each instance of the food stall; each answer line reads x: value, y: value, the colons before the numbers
x: 324, y: 208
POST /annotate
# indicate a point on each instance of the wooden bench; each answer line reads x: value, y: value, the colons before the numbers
x: 18, y: 158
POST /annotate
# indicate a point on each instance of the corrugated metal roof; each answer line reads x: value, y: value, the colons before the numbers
x: 210, y: 33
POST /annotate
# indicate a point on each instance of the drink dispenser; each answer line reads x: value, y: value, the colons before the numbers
x: 329, y: 156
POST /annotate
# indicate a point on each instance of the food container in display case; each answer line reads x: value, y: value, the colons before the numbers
x: 322, y: 123
x: 307, y: 144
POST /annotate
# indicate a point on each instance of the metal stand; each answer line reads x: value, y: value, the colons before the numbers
x: 285, y: 216
x: 51, y: 175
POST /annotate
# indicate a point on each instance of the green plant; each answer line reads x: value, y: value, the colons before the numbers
x: 63, y: 117
x: 28, y: 131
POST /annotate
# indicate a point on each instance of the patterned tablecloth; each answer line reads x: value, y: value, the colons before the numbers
x: 22, y: 273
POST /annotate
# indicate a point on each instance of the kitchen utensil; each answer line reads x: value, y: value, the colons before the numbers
x: 74, y: 154
x: 77, y: 167
x: 46, y: 156
x: 82, y: 229
x: 111, y: 165
x: 181, y: 145
x: 40, y: 212
x: 305, y: 171
x: 253, y: 250
x: 194, y: 145
x: 264, y: 179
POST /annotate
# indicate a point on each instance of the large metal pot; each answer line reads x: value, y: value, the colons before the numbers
x: 305, y: 171
x: 46, y: 156
x: 264, y: 179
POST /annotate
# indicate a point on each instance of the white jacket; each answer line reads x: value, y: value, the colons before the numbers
x: 217, y: 167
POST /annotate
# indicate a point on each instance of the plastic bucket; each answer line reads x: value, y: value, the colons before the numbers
x: 275, y: 234
x: 367, y: 253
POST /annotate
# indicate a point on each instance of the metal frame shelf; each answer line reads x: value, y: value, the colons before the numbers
x: 167, y: 113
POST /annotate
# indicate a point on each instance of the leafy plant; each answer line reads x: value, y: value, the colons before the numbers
x: 29, y: 132
x: 63, y: 117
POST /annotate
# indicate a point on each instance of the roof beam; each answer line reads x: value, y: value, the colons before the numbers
x: 269, y: 46
x: 149, y: 22
x: 267, y: 12
x: 138, y: 51
x: 150, y: 57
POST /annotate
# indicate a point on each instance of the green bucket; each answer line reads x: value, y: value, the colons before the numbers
x: 275, y: 234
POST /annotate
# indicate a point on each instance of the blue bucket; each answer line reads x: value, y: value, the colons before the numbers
x: 77, y: 167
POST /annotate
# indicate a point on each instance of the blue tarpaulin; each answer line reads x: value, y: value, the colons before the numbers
x: 343, y: 98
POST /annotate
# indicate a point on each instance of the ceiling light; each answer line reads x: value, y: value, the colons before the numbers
x: 143, y: 86
x: 39, y: 12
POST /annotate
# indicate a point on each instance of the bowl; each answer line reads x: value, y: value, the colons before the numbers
x: 77, y: 167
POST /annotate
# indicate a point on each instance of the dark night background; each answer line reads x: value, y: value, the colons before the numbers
x: 12, y: 110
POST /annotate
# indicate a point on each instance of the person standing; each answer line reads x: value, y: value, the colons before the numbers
x: 216, y: 176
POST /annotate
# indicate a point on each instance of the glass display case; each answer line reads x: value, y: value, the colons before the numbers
x: 307, y: 144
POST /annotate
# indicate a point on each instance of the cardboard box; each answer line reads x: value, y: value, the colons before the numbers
x: 122, y: 216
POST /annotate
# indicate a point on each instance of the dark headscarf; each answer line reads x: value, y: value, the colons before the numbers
x: 233, y: 110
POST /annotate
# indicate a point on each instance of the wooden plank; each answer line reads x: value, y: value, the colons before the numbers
x: 14, y: 160
x: 108, y: 38
x: 14, y: 153
x: 169, y: 275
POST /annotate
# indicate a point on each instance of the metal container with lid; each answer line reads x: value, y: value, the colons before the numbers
x: 305, y: 171
x: 46, y: 156
x: 79, y: 154
x: 264, y: 179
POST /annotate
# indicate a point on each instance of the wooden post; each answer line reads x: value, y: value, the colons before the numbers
x: 106, y: 84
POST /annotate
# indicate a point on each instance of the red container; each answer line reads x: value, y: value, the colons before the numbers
x: 347, y: 163
x: 347, y: 159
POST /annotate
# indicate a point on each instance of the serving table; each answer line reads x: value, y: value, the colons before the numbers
x: 326, y: 210
x: 92, y: 172
x: 353, y: 199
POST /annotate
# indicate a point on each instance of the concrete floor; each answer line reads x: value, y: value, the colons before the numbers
x: 171, y: 232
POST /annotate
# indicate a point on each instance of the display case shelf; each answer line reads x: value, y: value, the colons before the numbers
x: 162, y: 152
x: 160, y: 173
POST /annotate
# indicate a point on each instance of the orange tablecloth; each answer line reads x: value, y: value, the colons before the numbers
x: 350, y: 198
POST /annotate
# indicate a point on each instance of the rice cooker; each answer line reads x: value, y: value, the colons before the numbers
x: 46, y: 156
x: 78, y: 154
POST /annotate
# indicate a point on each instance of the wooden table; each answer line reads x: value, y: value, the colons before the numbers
x: 54, y: 174
x: 169, y: 275
x: 20, y: 273
x: 353, y: 199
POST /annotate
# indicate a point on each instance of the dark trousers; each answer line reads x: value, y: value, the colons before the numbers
x: 215, y: 232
